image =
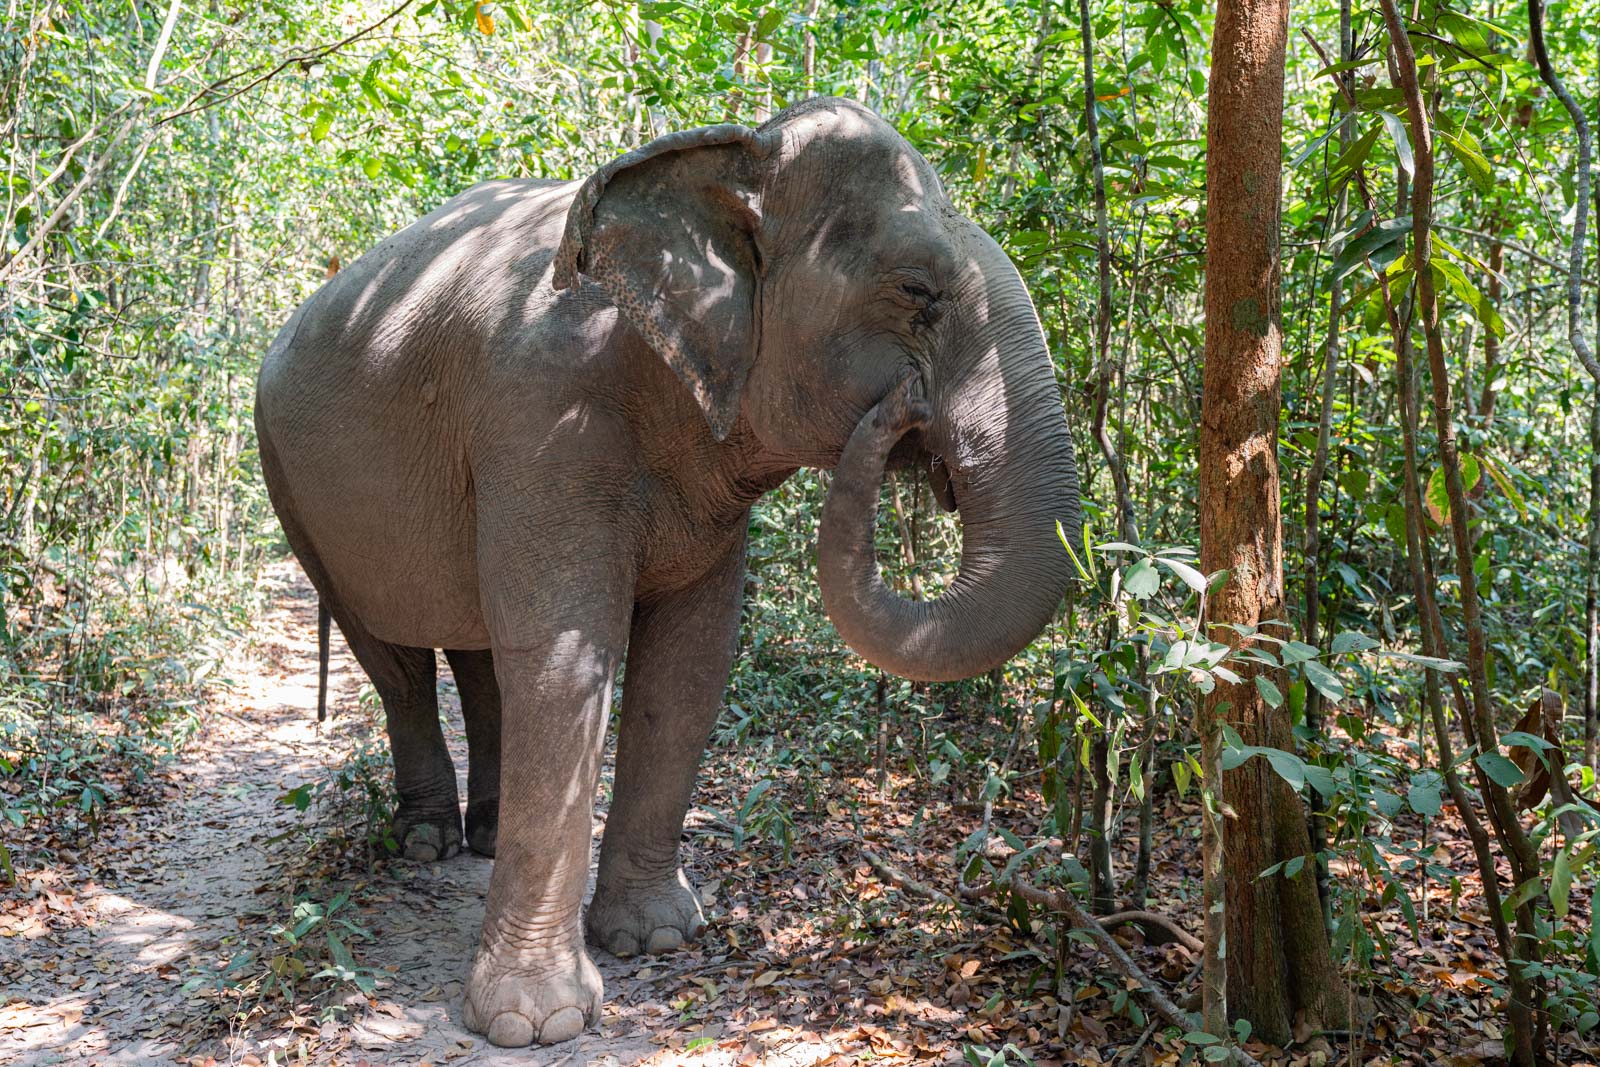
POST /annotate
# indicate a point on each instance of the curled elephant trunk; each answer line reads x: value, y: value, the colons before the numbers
x: 1014, y: 479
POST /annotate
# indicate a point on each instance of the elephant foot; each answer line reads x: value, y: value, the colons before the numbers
x: 524, y: 998
x: 650, y: 919
x: 427, y: 836
x: 483, y: 820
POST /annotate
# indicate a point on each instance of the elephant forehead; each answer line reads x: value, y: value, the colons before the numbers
x: 843, y: 138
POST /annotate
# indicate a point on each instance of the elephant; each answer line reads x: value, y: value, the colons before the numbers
x: 528, y: 430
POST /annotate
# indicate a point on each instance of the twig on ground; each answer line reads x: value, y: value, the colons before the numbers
x: 1065, y: 905
x: 895, y: 875
x: 1133, y: 1049
x: 1161, y: 922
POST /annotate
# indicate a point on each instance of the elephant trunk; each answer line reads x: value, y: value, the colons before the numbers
x: 1006, y: 446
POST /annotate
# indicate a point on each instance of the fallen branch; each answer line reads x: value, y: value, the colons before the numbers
x: 890, y: 873
x: 1143, y: 919
x: 1064, y: 904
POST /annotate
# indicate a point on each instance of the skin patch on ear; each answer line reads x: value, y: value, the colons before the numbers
x: 715, y: 391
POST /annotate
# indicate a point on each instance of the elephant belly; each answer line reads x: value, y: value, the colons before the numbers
x: 407, y: 573
x: 420, y: 610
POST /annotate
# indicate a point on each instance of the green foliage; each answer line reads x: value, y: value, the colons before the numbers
x: 310, y: 954
x: 166, y: 208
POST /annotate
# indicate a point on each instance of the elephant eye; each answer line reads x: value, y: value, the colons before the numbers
x: 924, y: 301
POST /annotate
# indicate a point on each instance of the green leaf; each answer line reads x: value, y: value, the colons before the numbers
x: 1354, y: 156
x: 1374, y: 240
x: 323, y: 123
x: 1452, y: 277
x: 1433, y: 663
x: 1437, y: 497
x: 1142, y: 579
x: 1352, y: 641
x: 1294, y: 867
x: 1501, y: 770
x: 1561, y: 882
x: 1326, y: 682
x: 1298, y: 652
x: 1523, y: 893
x: 1190, y: 577
x: 1424, y: 794
x: 1290, y: 768
x: 1402, y: 141
x: 1321, y: 779
x: 1269, y: 692
x: 1478, y: 168
x: 1506, y: 486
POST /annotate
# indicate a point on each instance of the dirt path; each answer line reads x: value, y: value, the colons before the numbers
x: 99, y: 974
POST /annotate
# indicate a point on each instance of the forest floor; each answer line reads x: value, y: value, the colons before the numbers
x: 149, y: 943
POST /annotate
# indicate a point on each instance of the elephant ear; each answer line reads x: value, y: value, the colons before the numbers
x: 670, y: 232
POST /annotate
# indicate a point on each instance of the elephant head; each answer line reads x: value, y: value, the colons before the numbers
x: 811, y: 285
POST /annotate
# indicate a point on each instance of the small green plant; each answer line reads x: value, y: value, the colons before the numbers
x: 308, y: 955
x: 356, y: 794
x: 763, y: 812
x: 984, y: 1056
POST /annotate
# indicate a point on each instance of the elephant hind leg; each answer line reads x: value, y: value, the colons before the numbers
x: 427, y: 823
x: 480, y: 710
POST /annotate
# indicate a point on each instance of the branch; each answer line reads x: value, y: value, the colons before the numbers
x: 1548, y: 75
x: 88, y: 179
x: 1064, y: 904
x: 198, y: 101
x: 66, y: 160
x: 1143, y: 919
x: 1121, y: 962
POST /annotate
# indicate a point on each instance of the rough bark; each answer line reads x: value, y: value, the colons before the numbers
x: 1277, y: 953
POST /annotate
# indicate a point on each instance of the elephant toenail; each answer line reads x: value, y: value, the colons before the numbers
x: 423, y: 844
x: 623, y: 944
x: 664, y: 939
x: 564, y: 1024
x: 511, y: 1030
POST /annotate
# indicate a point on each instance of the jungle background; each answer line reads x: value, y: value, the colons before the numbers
x: 894, y: 871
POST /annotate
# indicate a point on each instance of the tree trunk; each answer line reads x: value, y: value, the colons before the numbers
x: 1591, y: 615
x: 1278, y: 960
x: 1529, y: 1034
x: 1312, y: 585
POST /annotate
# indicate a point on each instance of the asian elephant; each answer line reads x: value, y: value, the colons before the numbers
x: 529, y: 428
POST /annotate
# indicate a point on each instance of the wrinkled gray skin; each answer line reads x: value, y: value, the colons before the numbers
x: 529, y: 428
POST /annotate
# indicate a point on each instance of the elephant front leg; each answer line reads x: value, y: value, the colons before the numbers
x: 532, y: 980
x: 679, y: 654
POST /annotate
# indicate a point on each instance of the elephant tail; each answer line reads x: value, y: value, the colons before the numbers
x: 324, y: 622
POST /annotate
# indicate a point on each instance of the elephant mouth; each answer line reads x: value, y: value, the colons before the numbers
x: 912, y: 454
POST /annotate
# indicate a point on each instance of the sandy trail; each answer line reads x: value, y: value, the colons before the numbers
x: 99, y: 977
